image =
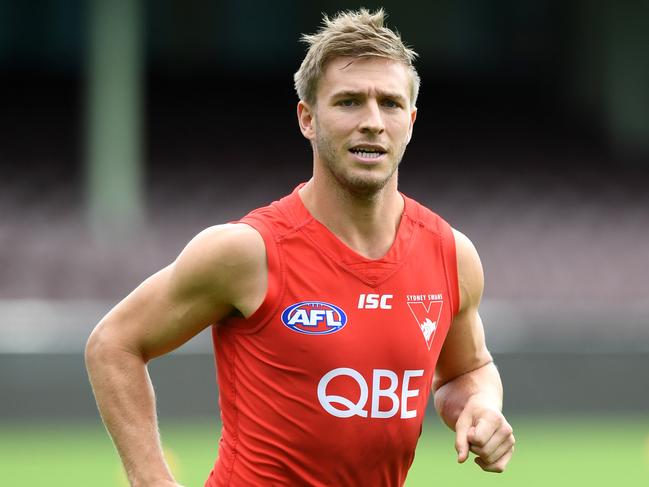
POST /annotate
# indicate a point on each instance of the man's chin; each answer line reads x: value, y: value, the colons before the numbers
x: 361, y: 181
x: 365, y: 185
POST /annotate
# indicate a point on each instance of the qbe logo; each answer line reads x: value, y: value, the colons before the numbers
x: 385, y: 384
x: 314, y: 317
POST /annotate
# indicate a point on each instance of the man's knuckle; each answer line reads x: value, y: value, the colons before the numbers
x: 478, y: 451
x: 497, y: 415
x: 479, y: 442
x: 497, y: 468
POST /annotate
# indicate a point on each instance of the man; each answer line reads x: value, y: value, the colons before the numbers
x: 329, y: 308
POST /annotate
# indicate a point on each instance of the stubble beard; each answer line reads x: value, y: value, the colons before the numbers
x: 365, y: 186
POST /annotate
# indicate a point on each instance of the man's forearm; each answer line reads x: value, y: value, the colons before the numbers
x: 482, y: 383
x: 126, y: 401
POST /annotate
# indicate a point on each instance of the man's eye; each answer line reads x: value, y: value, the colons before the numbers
x: 391, y: 104
x: 347, y: 103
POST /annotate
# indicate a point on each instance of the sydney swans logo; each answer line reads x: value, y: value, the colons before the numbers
x: 427, y: 315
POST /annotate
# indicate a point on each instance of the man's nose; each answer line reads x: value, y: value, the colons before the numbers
x: 372, y: 120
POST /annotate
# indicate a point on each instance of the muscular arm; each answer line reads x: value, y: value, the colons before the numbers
x: 221, y: 271
x: 467, y: 387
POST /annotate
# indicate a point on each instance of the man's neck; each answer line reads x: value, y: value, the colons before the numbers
x: 366, y: 224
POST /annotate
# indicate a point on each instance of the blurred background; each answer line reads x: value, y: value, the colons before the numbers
x: 126, y: 127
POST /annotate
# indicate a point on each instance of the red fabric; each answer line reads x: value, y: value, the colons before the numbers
x: 276, y: 428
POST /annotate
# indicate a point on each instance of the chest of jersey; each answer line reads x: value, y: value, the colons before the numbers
x: 355, y: 335
x: 356, y: 338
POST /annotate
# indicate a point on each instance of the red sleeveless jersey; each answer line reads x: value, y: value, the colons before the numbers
x: 327, y: 382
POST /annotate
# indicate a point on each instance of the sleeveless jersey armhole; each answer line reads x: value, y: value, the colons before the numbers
x: 271, y: 301
x: 450, y: 263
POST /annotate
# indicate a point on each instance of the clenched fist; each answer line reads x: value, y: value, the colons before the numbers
x: 484, y: 431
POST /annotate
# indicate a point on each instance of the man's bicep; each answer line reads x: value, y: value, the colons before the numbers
x: 157, y: 316
x: 464, y: 349
x: 179, y: 301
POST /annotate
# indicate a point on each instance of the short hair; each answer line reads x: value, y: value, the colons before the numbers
x: 355, y: 34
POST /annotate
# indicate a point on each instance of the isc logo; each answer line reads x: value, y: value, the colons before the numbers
x: 385, y: 384
x: 374, y: 301
x: 314, y: 318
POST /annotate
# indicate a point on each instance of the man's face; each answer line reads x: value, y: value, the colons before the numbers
x: 362, y: 121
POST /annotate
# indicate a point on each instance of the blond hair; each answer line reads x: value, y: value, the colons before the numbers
x: 355, y: 34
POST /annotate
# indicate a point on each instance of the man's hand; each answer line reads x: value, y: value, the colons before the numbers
x: 483, y: 430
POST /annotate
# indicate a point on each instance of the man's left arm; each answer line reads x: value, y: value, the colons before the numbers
x: 467, y: 387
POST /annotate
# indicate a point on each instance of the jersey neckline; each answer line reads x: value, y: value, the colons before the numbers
x: 339, y: 251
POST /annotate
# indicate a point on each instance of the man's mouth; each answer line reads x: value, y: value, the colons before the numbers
x: 368, y: 151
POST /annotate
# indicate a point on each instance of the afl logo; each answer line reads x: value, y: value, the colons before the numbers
x: 314, y: 318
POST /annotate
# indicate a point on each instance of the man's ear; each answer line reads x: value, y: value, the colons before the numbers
x: 413, y: 117
x: 305, y: 117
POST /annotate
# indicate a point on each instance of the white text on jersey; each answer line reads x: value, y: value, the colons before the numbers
x: 374, y: 301
x: 350, y: 408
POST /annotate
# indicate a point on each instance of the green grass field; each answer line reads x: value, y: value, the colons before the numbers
x: 594, y: 451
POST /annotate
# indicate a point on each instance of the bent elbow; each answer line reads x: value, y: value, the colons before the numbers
x: 102, y: 346
x: 106, y: 346
x: 95, y: 347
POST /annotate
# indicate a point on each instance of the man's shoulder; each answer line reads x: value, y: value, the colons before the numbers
x: 234, y: 241
x: 220, y: 254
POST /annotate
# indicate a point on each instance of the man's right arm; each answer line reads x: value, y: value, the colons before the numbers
x: 220, y: 272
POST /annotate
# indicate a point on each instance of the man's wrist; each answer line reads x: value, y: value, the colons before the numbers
x: 485, y: 400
